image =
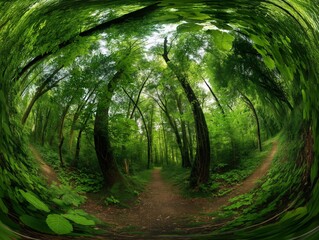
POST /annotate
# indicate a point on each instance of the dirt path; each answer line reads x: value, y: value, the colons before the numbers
x: 47, y: 171
x: 162, y: 209
x: 247, y: 185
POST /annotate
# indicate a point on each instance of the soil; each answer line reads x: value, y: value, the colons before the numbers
x: 47, y: 172
x: 161, y: 209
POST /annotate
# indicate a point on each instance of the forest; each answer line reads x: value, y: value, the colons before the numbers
x: 159, y: 119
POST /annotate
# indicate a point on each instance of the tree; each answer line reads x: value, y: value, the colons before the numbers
x: 50, y: 82
x: 200, y: 170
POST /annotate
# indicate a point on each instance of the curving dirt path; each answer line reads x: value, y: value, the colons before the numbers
x: 161, y: 209
x: 48, y: 172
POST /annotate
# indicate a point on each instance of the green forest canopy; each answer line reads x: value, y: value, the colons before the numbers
x: 195, y: 83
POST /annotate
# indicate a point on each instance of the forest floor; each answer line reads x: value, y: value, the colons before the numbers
x: 47, y: 172
x: 161, y: 209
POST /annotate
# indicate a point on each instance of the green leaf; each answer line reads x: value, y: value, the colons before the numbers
x: 295, y: 214
x: 58, y: 202
x: 3, y: 207
x: 35, y: 223
x: 59, y: 224
x: 34, y: 201
x: 269, y: 62
x: 222, y: 40
x: 189, y: 27
x: 79, y: 219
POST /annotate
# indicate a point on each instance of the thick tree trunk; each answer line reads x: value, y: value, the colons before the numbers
x: 103, y: 148
x: 200, y: 170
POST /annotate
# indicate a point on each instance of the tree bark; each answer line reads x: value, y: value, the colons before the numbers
x: 186, y: 163
x: 200, y: 170
x: 103, y: 148
x: 77, y: 149
x: 251, y: 106
x: 61, y: 136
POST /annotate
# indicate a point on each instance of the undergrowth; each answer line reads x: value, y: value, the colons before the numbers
x: 279, y: 189
x: 220, y: 183
x: 125, y: 193
x: 74, y: 183
x: 81, y: 180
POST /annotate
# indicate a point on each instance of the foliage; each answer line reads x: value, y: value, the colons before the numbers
x: 280, y: 75
x: 111, y: 200
x: 127, y: 192
x: 281, y: 187
x: 221, y: 183
x: 34, y: 201
x: 80, y: 179
x: 65, y: 196
x: 59, y: 224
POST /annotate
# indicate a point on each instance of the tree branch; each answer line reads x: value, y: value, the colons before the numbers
x: 140, y: 13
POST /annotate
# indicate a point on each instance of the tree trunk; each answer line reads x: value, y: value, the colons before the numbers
x: 103, y: 148
x: 61, y: 136
x: 78, y: 112
x: 77, y: 149
x: 215, y: 98
x: 251, y: 106
x: 172, y: 123
x: 41, y: 90
x: 45, y: 127
x: 200, y: 169
x: 186, y: 163
x: 78, y: 142
x: 147, y: 130
x: 165, y: 143
x: 191, y: 144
